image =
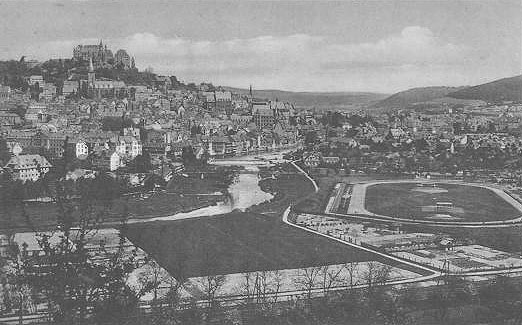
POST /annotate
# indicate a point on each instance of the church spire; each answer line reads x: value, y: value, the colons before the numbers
x: 91, y: 66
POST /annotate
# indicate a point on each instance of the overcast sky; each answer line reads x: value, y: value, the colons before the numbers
x: 381, y: 46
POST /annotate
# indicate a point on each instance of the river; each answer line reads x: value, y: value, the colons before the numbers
x: 243, y: 193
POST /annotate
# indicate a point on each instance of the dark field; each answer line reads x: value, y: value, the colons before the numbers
x: 398, y: 200
x: 234, y: 243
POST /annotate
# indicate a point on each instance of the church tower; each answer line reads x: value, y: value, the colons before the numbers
x: 91, y: 76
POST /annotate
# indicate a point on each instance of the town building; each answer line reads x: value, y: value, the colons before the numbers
x: 36, y: 113
x: 36, y: 79
x: 128, y: 146
x: 262, y: 115
x: 48, y: 91
x: 9, y: 119
x: 312, y: 159
x: 36, y: 142
x: 101, y: 88
x: 28, y: 167
x: 70, y: 87
x: 108, y: 160
x: 5, y: 92
x: 223, y: 101
x: 78, y: 147
x: 123, y: 59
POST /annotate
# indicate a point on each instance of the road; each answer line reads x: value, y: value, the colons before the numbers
x: 432, y: 273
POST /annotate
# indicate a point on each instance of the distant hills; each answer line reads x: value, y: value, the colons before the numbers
x: 319, y: 100
x: 509, y: 89
x: 415, y: 95
x: 506, y: 89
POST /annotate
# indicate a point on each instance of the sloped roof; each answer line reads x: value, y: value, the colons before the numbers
x: 28, y: 161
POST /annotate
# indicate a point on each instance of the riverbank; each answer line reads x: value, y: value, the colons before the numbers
x: 243, y: 193
x: 202, y: 192
x: 286, y: 185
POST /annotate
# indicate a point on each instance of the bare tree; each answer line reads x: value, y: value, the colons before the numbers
x: 331, y: 276
x: 18, y: 292
x: 153, y: 276
x: 352, y: 270
x: 449, y: 294
x: 263, y: 286
x: 375, y: 276
x: 277, y: 277
x: 307, y: 279
x: 247, y: 287
x: 169, y: 311
x: 211, y: 284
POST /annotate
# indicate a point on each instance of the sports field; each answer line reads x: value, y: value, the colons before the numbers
x: 438, y: 202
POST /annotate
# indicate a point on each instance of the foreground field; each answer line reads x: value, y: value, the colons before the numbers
x: 235, y: 243
x: 409, y: 200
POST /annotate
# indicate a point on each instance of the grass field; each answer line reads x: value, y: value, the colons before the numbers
x: 470, y: 203
x: 235, y: 243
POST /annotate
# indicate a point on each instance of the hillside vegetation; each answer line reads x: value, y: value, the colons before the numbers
x: 408, y: 97
x: 509, y: 89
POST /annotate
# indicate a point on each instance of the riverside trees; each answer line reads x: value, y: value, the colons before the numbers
x: 70, y: 268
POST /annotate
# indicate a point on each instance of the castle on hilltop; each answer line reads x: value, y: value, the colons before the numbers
x: 102, y: 56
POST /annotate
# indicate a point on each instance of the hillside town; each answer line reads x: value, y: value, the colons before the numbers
x: 260, y: 163
x: 103, y: 124
x: 99, y: 123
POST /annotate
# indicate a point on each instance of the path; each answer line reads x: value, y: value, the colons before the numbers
x: 434, y: 273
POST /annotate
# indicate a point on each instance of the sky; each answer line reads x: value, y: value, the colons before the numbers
x: 376, y: 46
